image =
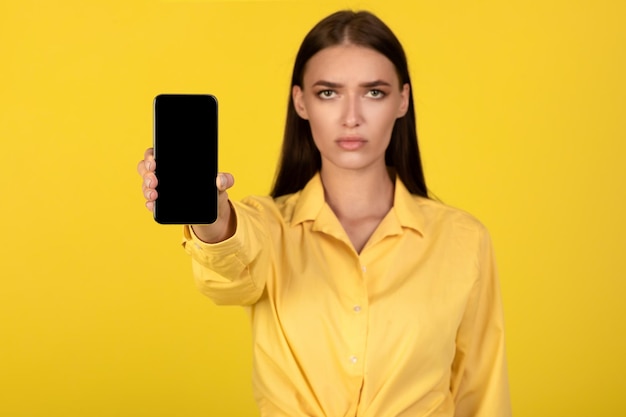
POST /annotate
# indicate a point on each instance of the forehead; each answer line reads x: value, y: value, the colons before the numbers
x: 349, y: 63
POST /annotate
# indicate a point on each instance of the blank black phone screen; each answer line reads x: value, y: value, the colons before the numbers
x: 185, y: 151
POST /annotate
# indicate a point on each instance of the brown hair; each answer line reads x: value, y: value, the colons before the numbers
x: 300, y: 159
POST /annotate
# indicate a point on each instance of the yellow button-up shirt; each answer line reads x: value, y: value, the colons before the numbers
x: 411, y: 326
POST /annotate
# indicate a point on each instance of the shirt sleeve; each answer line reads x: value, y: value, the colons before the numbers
x: 228, y: 272
x: 479, y: 382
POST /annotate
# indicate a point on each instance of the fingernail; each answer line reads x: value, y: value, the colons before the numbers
x: 148, y: 182
x: 148, y: 165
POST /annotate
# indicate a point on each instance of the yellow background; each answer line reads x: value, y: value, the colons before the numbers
x: 521, y: 110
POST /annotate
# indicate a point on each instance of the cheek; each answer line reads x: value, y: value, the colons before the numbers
x: 317, y: 129
x: 382, y: 118
x: 320, y: 113
x: 320, y: 120
x: 321, y: 134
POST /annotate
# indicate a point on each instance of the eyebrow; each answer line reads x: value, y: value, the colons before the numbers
x: 369, y: 84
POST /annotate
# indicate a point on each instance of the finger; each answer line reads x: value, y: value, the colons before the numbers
x: 150, y: 194
x: 150, y: 205
x: 148, y: 163
x: 148, y: 157
x: 141, y: 167
x: 150, y: 180
x: 224, y: 181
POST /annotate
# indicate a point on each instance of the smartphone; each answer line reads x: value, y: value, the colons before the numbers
x: 185, y: 151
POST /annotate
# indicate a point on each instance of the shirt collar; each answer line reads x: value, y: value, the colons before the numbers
x: 407, y: 207
x: 310, y: 201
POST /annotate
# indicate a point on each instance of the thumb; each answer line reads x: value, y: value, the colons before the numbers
x: 224, y: 181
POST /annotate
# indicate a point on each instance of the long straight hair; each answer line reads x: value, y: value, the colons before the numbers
x: 300, y: 159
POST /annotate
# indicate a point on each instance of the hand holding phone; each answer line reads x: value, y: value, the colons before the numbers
x: 226, y: 223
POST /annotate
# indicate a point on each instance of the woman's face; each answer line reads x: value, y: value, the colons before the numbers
x: 351, y: 97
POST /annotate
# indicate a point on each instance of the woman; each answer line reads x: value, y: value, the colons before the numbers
x: 366, y: 297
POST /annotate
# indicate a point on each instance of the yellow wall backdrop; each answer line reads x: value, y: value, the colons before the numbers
x: 521, y: 109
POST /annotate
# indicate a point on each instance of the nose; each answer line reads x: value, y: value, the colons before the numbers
x: 352, y: 116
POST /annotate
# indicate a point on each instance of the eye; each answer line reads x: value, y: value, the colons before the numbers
x: 325, y: 94
x: 376, y: 93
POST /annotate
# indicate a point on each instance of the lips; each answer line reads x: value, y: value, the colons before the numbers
x: 351, y: 143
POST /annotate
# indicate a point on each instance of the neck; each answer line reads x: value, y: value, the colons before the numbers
x: 358, y: 194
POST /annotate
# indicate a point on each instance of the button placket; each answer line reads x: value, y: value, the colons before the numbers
x: 358, y: 300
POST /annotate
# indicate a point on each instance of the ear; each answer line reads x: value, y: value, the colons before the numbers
x: 298, y: 102
x: 405, y: 95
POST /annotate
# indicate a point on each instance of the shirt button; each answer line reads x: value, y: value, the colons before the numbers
x: 353, y: 359
x: 197, y: 245
x: 363, y: 268
x: 357, y: 309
